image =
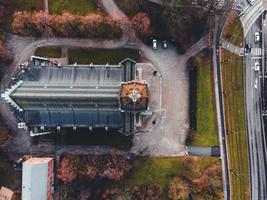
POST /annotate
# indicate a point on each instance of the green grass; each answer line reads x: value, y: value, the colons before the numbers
x: 163, y: 170
x: 29, y: 5
x: 81, y: 7
x: 48, y: 52
x: 233, y: 84
x: 7, y: 175
x: 204, y: 120
x: 101, y: 56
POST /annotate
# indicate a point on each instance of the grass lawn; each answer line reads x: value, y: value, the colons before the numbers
x: 101, y: 56
x: 48, y: 52
x: 29, y: 5
x: 233, y: 87
x: 233, y: 31
x: 81, y: 7
x: 7, y: 175
x: 202, y: 103
x: 163, y: 170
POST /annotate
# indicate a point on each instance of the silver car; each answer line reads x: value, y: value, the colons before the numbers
x: 257, y: 37
x: 154, y: 43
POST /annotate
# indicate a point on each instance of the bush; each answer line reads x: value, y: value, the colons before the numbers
x: 178, y: 189
x: 141, y: 24
x: 148, y: 192
x: 5, y: 56
x: 112, y: 167
x: 66, y: 25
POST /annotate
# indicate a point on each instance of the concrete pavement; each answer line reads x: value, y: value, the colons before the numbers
x: 232, y: 48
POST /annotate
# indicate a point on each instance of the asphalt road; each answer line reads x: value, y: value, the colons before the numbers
x: 219, y: 101
x: 255, y: 130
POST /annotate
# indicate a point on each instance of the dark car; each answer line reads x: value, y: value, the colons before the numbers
x: 248, y: 48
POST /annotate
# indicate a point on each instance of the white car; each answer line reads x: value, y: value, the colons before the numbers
x: 257, y: 66
x: 154, y: 44
x: 165, y: 45
x: 256, y: 84
x: 257, y: 37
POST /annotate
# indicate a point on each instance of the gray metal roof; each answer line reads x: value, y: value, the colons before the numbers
x: 34, y: 181
x: 73, y: 95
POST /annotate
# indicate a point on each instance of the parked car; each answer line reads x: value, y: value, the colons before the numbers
x: 154, y: 44
x: 248, y: 48
x: 257, y: 66
x: 257, y: 37
x: 165, y: 45
x: 239, y: 9
x: 251, y: 2
x: 256, y: 84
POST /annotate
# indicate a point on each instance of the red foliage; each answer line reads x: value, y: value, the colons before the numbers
x: 141, y: 24
x: 23, y: 24
x: 148, y: 192
x: 68, y: 169
x: 113, y: 167
x: 65, y: 25
x: 42, y: 22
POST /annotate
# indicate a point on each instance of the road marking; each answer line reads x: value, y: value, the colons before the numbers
x: 256, y: 51
x: 256, y: 57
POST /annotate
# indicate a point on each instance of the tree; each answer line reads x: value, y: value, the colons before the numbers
x: 141, y: 24
x: 5, y: 56
x: 178, y: 189
x: 209, y: 185
x: 42, y: 22
x: 148, y: 192
x: 69, y: 25
x: 66, y: 25
x: 68, y: 170
x: 184, y: 22
x: 24, y: 25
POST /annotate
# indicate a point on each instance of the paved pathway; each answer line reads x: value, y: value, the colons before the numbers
x: 232, y: 48
x: 46, y: 6
x: 251, y: 15
x: 203, y: 151
x: 168, y: 137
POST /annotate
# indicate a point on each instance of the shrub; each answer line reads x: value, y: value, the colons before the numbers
x: 65, y: 25
x: 178, y: 189
x: 141, y: 24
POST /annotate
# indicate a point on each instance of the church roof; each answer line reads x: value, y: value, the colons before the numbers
x: 134, y: 96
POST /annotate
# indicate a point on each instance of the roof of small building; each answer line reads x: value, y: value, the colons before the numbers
x: 38, y: 160
x: 134, y: 96
x: 6, y: 194
x: 35, y: 178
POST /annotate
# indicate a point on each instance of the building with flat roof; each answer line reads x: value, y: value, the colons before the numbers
x: 6, y: 194
x: 38, y: 178
x: 48, y: 96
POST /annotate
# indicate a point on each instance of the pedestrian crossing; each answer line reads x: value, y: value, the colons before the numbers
x: 256, y: 52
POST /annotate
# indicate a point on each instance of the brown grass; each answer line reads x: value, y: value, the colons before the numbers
x: 233, y: 30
